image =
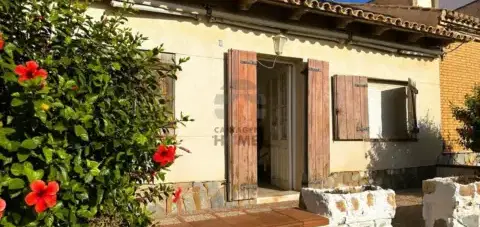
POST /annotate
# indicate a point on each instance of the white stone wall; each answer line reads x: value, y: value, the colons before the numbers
x: 451, y: 203
x: 359, y: 208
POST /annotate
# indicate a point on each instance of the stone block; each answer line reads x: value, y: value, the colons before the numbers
x: 452, y: 199
x: 231, y: 204
x: 158, y: 209
x: 188, y: 202
x: 200, y: 196
x: 218, y: 200
x: 383, y: 223
x: 213, y: 187
x: 350, y: 206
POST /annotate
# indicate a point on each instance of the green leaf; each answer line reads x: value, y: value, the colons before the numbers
x: 31, y: 173
x: 29, y: 144
x: 140, y: 138
x: 59, y: 127
x: 92, y: 164
x: 49, y: 220
x: 61, y: 153
x: 100, y: 192
x: 47, y: 153
x: 11, y: 77
x: 88, y: 178
x: 95, y: 172
x: 17, y: 102
x: 17, y: 169
x: 81, y: 132
x: 6, y: 131
x: 16, y: 183
x: 68, y: 113
x: 22, y: 156
x: 116, y: 66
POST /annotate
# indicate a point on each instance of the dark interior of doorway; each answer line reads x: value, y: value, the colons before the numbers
x: 264, y: 115
x: 263, y: 147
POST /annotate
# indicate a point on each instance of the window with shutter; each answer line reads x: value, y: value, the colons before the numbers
x: 374, y: 109
x: 350, y: 100
x: 166, y: 86
x: 166, y: 83
x: 392, y: 114
x: 412, y: 109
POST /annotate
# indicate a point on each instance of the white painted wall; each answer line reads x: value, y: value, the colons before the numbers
x: 202, y: 78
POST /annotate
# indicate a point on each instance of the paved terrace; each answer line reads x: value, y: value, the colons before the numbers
x: 409, y: 214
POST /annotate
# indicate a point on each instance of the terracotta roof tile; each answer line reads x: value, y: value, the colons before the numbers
x: 356, y: 11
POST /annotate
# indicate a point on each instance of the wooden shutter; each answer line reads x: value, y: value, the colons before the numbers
x: 350, y: 107
x: 412, y: 109
x: 242, y: 122
x: 318, y: 122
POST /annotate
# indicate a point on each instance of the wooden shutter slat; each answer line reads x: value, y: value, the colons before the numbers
x: 364, y: 109
x: 243, y: 120
x: 318, y: 122
x: 411, y: 109
x: 357, y: 108
x: 340, y: 107
x: 351, y: 107
x: 326, y: 119
x: 252, y: 156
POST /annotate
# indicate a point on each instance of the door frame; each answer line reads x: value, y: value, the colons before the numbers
x: 291, y: 114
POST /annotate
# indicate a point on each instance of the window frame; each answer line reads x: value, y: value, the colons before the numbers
x: 412, y: 136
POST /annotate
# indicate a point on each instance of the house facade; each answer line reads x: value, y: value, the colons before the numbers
x: 459, y: 65
x: 352, y: 98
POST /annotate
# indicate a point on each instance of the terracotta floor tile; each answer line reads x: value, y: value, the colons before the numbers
x: 210, y: 223
x: 198, y: 217
x: 245, y: 220
x: 175, y: 225
x: 307, y: 218
x: 273, y: 218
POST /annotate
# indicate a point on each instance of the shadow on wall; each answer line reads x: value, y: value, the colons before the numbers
x: 397, y: 158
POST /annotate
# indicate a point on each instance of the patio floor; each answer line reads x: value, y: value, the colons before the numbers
x: 409, y: 214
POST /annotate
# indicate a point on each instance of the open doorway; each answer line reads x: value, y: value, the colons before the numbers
x: 274, y: 122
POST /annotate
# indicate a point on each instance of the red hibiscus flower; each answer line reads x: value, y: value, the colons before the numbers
x: 3, y: 205
x: 2, y: 42
x: 29, y: 71
x: 164, y: 155
x: 177, y: 194
x: 42, y: 195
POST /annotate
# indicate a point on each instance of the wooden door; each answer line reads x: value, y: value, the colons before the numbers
x: 318, y: 123
x: 280, y: 155
x: 242, y: 123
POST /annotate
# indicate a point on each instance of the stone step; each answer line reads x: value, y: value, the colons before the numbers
x: 279, y: 198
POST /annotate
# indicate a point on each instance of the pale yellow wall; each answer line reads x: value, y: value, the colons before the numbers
x: 424, y: 3
x: 202, y: 80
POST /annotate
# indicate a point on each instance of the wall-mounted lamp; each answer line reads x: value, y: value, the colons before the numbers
x: 278, y: 43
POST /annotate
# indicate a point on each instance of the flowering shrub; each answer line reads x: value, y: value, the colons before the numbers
x: 83, y: 122
x: 469, y: 116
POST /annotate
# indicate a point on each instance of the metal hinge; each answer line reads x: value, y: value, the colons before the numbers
x: 248, y: 186
x: 313, y: 69
x: 360, y: 129
x: 361, y: 85
x: 248, y: 62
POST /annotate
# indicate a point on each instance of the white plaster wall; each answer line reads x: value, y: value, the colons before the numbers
x: 202, y: 80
